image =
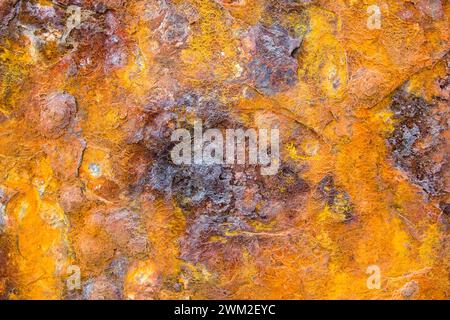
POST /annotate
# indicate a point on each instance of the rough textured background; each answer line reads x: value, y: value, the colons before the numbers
x: 87, y: 108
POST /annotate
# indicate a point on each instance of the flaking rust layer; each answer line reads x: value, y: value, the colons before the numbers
x: 91, y: 206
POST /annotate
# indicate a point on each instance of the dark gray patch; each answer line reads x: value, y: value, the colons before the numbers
x: 337, y: 199
x: 196, y: 245
x: 416, y: 139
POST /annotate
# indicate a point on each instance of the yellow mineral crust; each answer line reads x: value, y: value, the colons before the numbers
x: 92, y: 208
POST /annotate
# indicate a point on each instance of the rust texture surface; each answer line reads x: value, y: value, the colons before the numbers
x: 93, y: 207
